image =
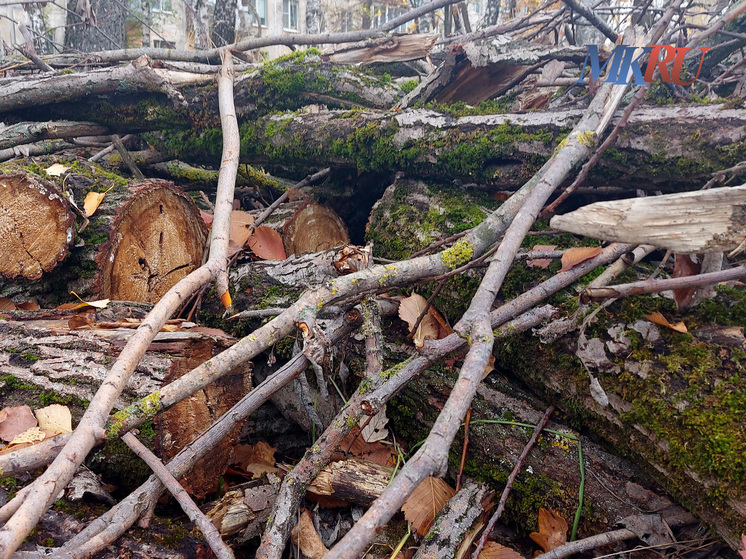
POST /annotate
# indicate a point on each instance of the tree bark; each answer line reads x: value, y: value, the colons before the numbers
x: 224, y: 23
x: 95, y: 25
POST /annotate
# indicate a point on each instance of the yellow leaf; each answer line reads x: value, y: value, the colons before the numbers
x: 657, y: 318
x: 100, y: 304
x: 56, y: 169
x: 92, y: 202
x: 410, y: 309
x: 552, y: 530
x: 55, y: 418
x: 574, y: 256
x: 425, y: 503
x: 33, y: 435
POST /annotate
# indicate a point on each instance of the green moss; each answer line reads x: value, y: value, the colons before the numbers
x: 409, y: 86
x: 457, y: 255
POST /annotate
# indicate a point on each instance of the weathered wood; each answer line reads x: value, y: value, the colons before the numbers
x: 36, y: 226
x: 689, y: 222
x: 398, y: 48
x: 473, y: 73
x: 27, y: 132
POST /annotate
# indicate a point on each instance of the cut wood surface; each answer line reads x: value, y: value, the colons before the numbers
x: 156, y: 239
x: 689, y: 222
x: 36, y: 226
x: 314, y: 228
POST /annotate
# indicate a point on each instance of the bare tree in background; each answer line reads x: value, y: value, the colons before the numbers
x: 224, y: 26
x: 94, y: 25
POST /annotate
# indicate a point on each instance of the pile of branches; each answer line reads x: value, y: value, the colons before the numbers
x: 494, y: 243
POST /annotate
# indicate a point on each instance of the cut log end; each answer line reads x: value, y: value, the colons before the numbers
x: 157, y: 239
x: 314, y: 228
x: 36, y: 226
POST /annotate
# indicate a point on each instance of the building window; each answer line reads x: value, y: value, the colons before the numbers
x: 261, y: 10
x: 161, y: 6
x: 163, y: 44
x: 290, y: 15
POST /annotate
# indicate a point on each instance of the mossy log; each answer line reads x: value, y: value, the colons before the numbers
x: 662, y: 148
x: 286, y: 83
x: 141, y: 240
x: 676, y: 400
x: 551, y: 475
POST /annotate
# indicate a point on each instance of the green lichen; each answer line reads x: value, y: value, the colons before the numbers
x: 457, y: 255
x: 588, y: 139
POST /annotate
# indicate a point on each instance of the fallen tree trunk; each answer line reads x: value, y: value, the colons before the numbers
x: 141, y: 239
x: 656, y: 151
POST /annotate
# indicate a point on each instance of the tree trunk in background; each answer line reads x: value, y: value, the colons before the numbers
x: 101, y: 28
x: 224, y: 26
x: 38, y: 28
x: 145, y: 5
x: 314, y: 16
x: 198, y: 23
x: 491, y: 13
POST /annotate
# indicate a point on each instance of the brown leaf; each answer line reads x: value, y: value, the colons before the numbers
x: 92, y: 202
x: 14, y: 421
x: 444, y: 329
x: 28, y: 306
x: 78, y: 321
x: 684, y: 265
x: 574, y: 256
x: 425, y: 503
x: 240, y: 222
x: 540, y: 262
x: 375, y: 452
x: 206, y: 217
x: 259, y: 453
x: 305, y: 536
x: 410, y: 309
x: 375, y: 430
x: 266, y: 243
x: 657, y: 318
x: 493, y: 550
x: 490, y: 366
x: 552, y: 530
x: 7, y: 304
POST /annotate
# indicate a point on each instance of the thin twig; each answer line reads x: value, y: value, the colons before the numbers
x: 211, y: 534
x: 464, y: 450
x: 511, y: 478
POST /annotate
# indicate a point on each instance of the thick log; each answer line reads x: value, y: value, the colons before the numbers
x: 690, y: 222
x: 36, y: 225
x: 675, y: 400
x: 661, y: 148
x: 140, y: 241
x: 399, y: 48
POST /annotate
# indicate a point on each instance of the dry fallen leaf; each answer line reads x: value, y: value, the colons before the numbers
x: 657, y: 318
x: 685, y: 265
x: 489, y: 367
x: 92, y: 202
x: 7, y: 304
x: 540, y: 262
x: 552, y: 530
x: 376, y: 452
x: 410, y: 309
x: 574, y: 256
x: 78, y: 321
x: 56, y: 419
x: 56, y: 169
x: 14, y: 421
x: 33, y: 435
x: 260, y: 453
x: 100, y: 304
x: 206, y: 217
x: 425, y: 503
x: 240, y: 232
x: 266, y: 243
x: 493, y: 550
x: 375, y: 430
x: 28, y: 306
x: 305, y: 536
